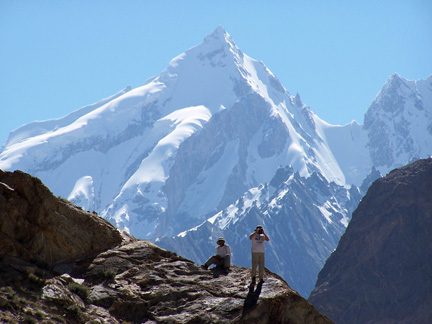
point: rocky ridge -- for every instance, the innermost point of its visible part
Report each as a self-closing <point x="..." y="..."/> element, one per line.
<point x="381" y="269"/>
<point x="39" y="227"/>
<point x="60" y="264"/>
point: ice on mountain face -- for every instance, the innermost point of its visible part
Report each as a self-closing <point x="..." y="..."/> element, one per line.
<point x="144" y="188"/>
<point x="182" y="123"/>
<point x="396" y="123"/>
<point x="397" y="129"/>
<point x="348" y="145"/>
<point x="83" y="193"/>
<point x="40" y="127"/>
<point x="424" y="93"/>
<point x="238" y="148"/>
<point x="86" y="132"/>
<point x="205" y="74"/>
<point x="211" y="160"/>
<point x="216" y="46"/>
<point x="224" y="63"/>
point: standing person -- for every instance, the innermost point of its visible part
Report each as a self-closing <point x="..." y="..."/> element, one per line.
<point x="222" y="257"/>
<point x="258" y="238"/>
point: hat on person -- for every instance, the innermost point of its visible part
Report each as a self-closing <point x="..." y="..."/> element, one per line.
<point x="259" y="226"/>
<point x="220" y="239"/>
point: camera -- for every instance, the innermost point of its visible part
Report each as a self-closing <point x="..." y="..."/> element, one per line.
<point x="260" y="231"/>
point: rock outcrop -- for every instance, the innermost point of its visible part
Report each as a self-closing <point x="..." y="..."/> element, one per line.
<point x="60" y="264"/>
<point x="39" y="227"/>
<point x="381" y="269"/>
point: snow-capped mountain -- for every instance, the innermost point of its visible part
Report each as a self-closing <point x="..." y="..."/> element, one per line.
<point x="399" y="123"/>
<point x="213" y="145"/>
<point x="397" y="130"/>
<point x="130" y="155"/>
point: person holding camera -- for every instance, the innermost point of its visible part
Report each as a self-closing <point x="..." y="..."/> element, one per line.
<point x="258" y="238"/>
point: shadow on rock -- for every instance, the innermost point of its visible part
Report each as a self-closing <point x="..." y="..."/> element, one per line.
<point x="252" y="296"/>
<point x="218" y="271"/>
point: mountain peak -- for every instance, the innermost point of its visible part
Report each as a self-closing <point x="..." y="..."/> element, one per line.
<point x="395" y="76"/>
<point x="219" y="39"/>
<point x="219" y="31"/>
<point x="218" y="48"/>
<point x="219" y="34"/>
<point x="395" y="80"/>
<point x="298" y="100"/>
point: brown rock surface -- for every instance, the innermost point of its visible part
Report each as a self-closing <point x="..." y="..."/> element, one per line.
<point x="381" y="271"/>
<point x="37" y="226"/>
<point x="114" y="278"/>
<point x="152" y="285"/>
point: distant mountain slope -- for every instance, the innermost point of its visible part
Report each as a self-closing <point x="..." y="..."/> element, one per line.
<point x="397" y="130"/>
<point x="212" y="128"/>
<point x="40" y="127"/>
<point x="381" y="269"/>
<point x="399" y="122"/>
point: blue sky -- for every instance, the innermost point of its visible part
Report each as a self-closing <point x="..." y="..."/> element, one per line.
<point x="57" y="56"/>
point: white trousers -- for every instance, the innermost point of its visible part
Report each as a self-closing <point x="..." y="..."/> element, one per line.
<point x="257" y="261"/>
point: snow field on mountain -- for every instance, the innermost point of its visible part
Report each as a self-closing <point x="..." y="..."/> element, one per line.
<point x="178" y="126"/>
<point x="203" y="196"/>
<point x="40" y="127"/>
<point x="83" y="193"/>
<point x="231" y="214"/>
<point x="348" y="145"/>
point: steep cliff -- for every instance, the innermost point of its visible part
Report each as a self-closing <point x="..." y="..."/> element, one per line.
<point x="381" y="269"/>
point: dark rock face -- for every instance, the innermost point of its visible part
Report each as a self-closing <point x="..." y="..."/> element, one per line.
<point x="381" y="270"/>
<point x="37" y="226"/>
<point x="111" y="277"/>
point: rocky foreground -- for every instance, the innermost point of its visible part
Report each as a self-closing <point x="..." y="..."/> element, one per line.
<point x="60" y="264"/>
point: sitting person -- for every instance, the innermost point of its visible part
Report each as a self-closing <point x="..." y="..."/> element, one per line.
<point x="222" y="257"/>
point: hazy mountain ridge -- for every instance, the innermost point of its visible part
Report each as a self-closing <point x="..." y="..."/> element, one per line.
<point x="213" y="127"/>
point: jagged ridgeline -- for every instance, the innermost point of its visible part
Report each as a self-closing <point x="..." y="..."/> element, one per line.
<point x="61" y="264"/>
<point x="214" y="145"/>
